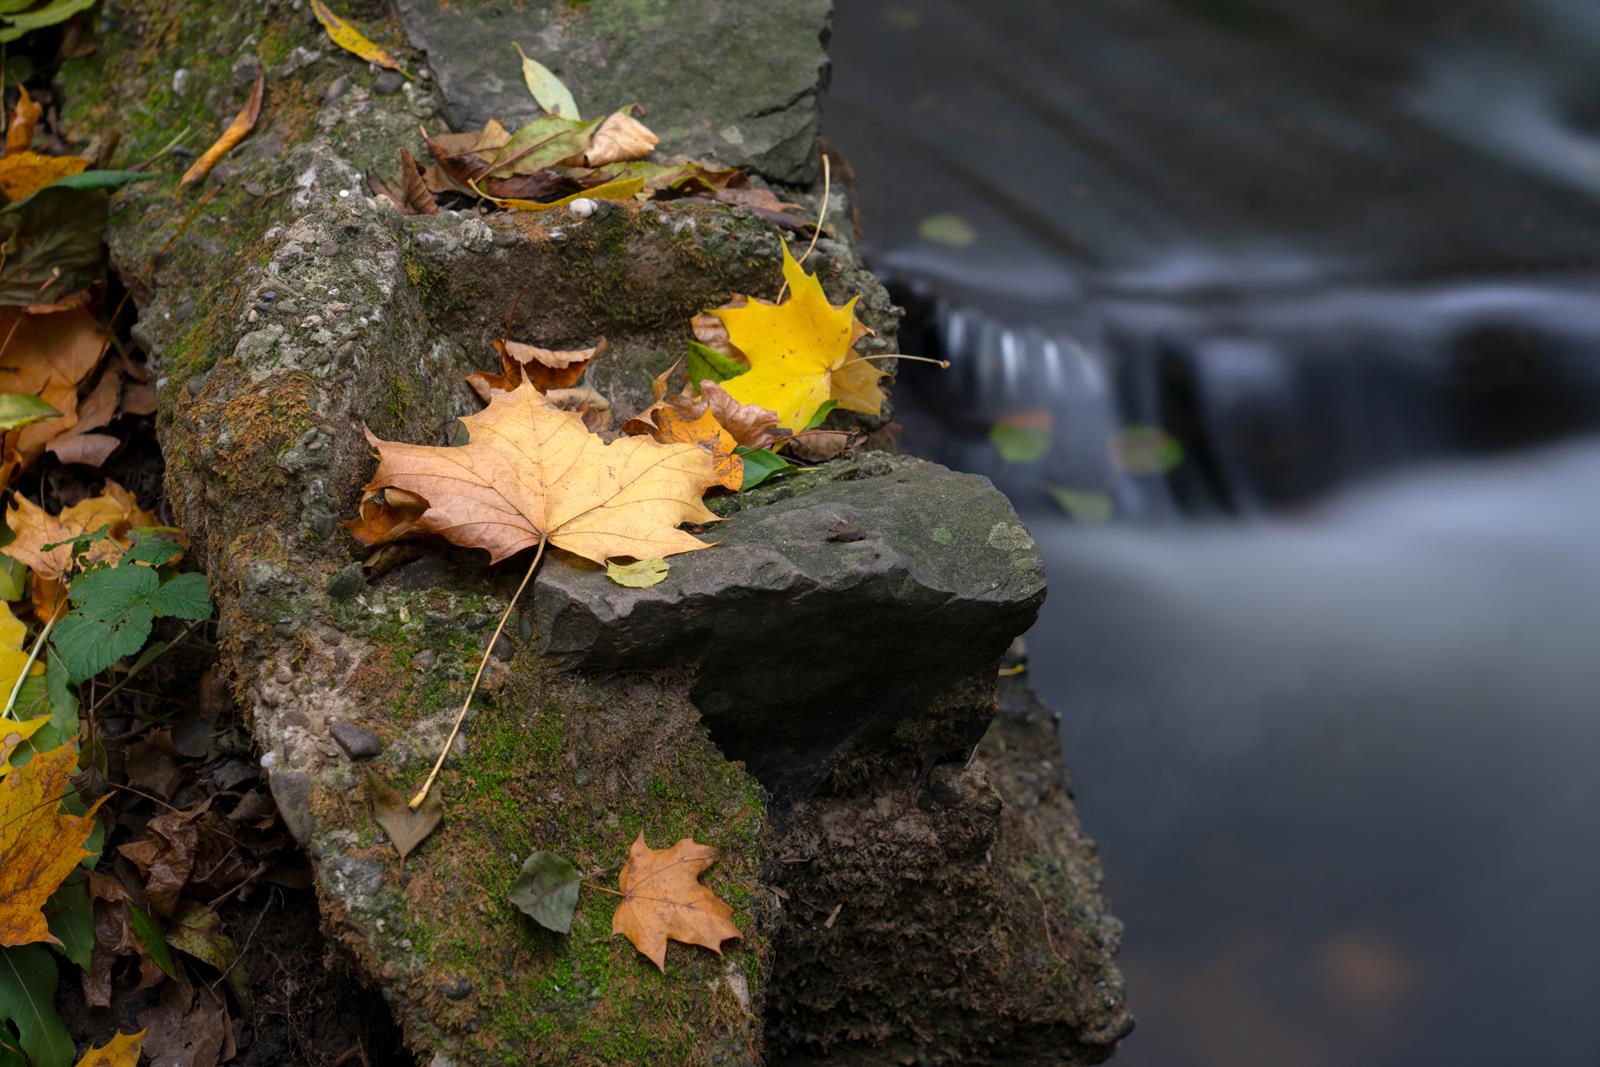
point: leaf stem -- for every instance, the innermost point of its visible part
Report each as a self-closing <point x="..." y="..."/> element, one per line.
<point x="422" y="794"/>
<point x="601" y="889"/>
<point x="822" y="215"/>
<point x="33" y="657"/>
<point x="945" y="363"/>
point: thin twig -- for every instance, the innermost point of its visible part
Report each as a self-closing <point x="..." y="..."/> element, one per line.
<point x="131" y="675"/>
<point x="822" y="215"/>
<point x="422" y="794"/>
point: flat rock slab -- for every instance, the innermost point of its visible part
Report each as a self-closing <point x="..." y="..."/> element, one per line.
<point x="734" y="80"/>
<point x="923" y="573"/>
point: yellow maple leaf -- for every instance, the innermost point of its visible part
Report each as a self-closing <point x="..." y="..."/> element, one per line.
<point x="532" y="472"/>
<point x="14" y="733"/>
<point x="801" y="353"/>
<point x="39" y="845"/>
<point x="662" y="898"/>
<point x="121" y="1051"/>
<point x="24" y="173"/>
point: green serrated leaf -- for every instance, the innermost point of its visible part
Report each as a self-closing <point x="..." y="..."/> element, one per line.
<point x="183" y="596"/>
<point x="70" y="914"/>
<point x="761" y="464"/>
<point x="152" y="939"/>
<point x="23" y="409"/>
<point x="641" y="574"/>
<point x="707" y="364"/>
<point x="27" y="1000"/>
<point x="547" y="891"/>
<point x="156" y="553"/>
<point x="89" y="643"/>
<point x="110" y="591"/>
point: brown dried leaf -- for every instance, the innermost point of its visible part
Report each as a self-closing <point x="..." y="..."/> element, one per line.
<point x="662" y="898"/>
<point x="619" y="138"/>
<point x="237" y="130"/>
<point x="751" y="426"/>
<point x="531" y="472"/>
<point x="19" y="135"/>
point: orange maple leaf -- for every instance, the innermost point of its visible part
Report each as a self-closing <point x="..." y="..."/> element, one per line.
<point x="662" y="898"/>
<point x="39" y="846"/>
<point x="533" y="473"/>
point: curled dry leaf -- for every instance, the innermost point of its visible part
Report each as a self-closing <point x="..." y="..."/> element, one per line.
<point x="544" y="368"/>
<point x="621" y="137"/>
<point x="531" y="472"/>
<point x="801" y="353"/>
<point x="819" y="446"/>
<point x="39" y="845"/>
<point x="413" y="196"/>
<point x="19" y="135"/>
<point x="662" y="898"/>
<point x="751" y="426"/>
<point x="237" y="130"/>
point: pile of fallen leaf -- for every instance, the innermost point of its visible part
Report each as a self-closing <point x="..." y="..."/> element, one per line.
<point x="542" y="467"/>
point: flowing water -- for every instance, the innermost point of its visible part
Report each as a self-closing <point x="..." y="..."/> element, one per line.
<point x="1328" y="665"/>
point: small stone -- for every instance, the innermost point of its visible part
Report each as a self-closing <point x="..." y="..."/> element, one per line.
<point x="346" y="581"/>
<point x="846" y="532"/>
<point x="504" y="648"/>
<point x="581" y="778"/>
<point x="456" y="989"/>
<point x="582" y="207"/>
<point x="180" y="81"/>
<point x="283" y="675"/>
<point x="336" y="88"/>
<point x="425" y="659"/>
<point x="358" y="742"/>
<point x="388" y="82"/>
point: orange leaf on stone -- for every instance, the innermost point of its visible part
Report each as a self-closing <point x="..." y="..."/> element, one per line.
<point x="237" y="130"/>
<point x="39" y="845"/>
<point x="547" y="369"/>
<point x="684" y="421"/>
<point x="531" y="472"/>
<point x="662" y="899"/>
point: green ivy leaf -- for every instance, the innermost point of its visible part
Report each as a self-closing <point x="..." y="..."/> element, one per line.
<point x="27" y="1001"/>
<point x="152" y="939"/>
<point x="761" y="464"/>
<point x="547" y="891"/>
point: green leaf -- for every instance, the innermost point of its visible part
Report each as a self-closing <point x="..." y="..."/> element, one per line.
<point x="707" y="364"/>
<point x="1146" y="450"/>
<point x="547" y="891"/>
<point x="822" y="414"/>
<point x="1019" y="443"/>
<point x="761" y="464"/>
<point x="100" y="179"/>
<point x="48" y="15"/>
<point x="70" y="914"/>
<point x="89" y="644"/>
<point x="27" y="1000"/>
<point x="183" y="596"/>
<point x="13" y="579"/>
<point x="1082" y="505"/>
<point x="156" y="553"/>
<point x="547" y="89"/>
<point x="151" y="939"/>
<point x="547" y="140"/>
<point x="57" y="228"/>
<point x="641" y="574"/>
<point x="197" y="931"/>
<point x="23" y="409"/>
<point x="111" y="591"/>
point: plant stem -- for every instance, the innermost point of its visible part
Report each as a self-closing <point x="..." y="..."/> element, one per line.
<point x="33" y="657"/>
<point x="822" y="215"/>
<point x="945" y="363"/>
<point x="422" y="794"/>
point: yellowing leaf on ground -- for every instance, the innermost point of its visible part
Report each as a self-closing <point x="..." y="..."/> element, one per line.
<point x="684" y="421"/>
<point x="121" y="1051"/>
<point x="24" y="173"/>
<point x="532" y="472"/>
<point x="801" y="353"/>
<point x="662" y="898"/>
<point x="640" y="574"/>
<point x="19" y="135"/>
<point x="237" y="130"/>
<point x="14" y="733"/>
<point x="115" y="510"/>
<point x="39" y="846"/>
<point x="351" y="39"/>
<point x="547" y="89"/>
<point x="13" y="656"/>
<point x="620" y="138"/>
<point x="621" y="189"/>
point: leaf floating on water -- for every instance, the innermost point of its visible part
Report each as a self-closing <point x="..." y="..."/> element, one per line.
<point x="547" y="89"/>
<point x="947" y="229"/>
<point x="1083" y="505"/>
<point x="547" y="891"/>
<point x="1023" y="436"/>
<point x="237" y="130"/>
<point x="641" y="574"/>
<point x="351" y="39"/>
<point x="662" y="898"/>
<point x="1145" y="450"/>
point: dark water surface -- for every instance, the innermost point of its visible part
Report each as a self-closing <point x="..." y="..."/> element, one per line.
<point x="1329" y="683"/>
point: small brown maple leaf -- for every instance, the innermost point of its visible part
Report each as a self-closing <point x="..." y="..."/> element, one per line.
<point x="662" y="898"/>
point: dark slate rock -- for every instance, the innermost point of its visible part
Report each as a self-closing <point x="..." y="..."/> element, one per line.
<point x="734" y="80"/>
<point x="358" y="742"/>
<point x="811" y="648"/>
